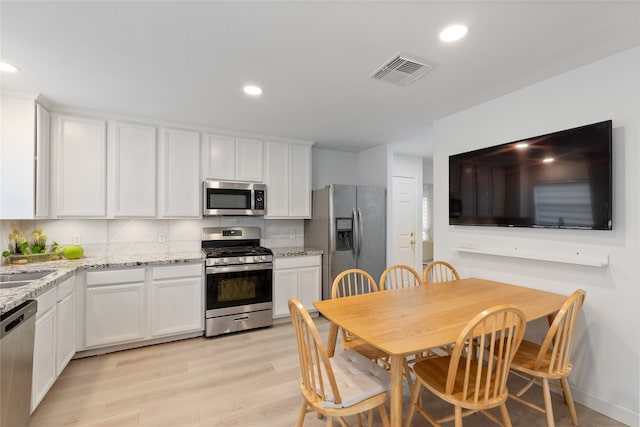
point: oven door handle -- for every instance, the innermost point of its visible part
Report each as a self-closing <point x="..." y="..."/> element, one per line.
<point x="239" y="268"/>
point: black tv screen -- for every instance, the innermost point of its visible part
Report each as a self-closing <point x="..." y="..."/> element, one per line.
<point x="559" y="180"/>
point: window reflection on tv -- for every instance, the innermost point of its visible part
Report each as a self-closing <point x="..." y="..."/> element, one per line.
<point x="559" y="180"/>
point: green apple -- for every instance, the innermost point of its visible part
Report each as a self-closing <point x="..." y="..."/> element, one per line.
<point x="72" y="252"/>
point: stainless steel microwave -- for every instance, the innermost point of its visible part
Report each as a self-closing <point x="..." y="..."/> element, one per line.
<point x="233" y="198"/>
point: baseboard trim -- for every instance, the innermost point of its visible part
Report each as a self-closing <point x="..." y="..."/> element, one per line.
<point x="611" y="410"/>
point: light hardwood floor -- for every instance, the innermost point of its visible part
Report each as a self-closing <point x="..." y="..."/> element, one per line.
<point x="246" y="379"/>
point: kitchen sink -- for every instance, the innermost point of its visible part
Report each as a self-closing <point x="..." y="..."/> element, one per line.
<point x="21" y="279"/>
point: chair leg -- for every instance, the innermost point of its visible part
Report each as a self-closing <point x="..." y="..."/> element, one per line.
<point x="370" y="423"/>
<point x="383" y="416"/>
<point x="548" y="409"/>
<point x="568" y="397"/>
<point x="457" y="415"/>
<point x="303" y="412"/>
<point x="415" y="395"/>
<point x="506" y="421"/>
<point x="329" y="421"/>
<point x="359" y="418"/>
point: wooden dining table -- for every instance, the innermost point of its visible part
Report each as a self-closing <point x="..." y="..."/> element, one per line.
<point x="406" y="321"/>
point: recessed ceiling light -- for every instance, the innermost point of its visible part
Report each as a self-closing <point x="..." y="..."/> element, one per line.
<point x="548" y="160"/>
<point x="252" y="90"/>
<point x="453" y="33"/>
<point x="522" y="145"/>
<point x="8" y="67"/>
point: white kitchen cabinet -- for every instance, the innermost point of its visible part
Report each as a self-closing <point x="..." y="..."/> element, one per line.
<point x="114" y="306"/>
<point x="233" y="159"/>
<point x="288" y="180"/>
<point x="177" y="299"/>
<point x="65" y="314"/>
<point x="24" y="137"/>
<point x="296" y="277"/>
<point x="179" y="174"/>
<point x="132" y="152"/>
<point x="44" y="348"/>
<point x="80" y="167"/>
<point x="43" y="149"/>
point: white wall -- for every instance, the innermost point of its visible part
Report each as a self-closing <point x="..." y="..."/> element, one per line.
<point x="606" y="358"/>
<point x="427" y="170"/>
<point x="373" y="165"/>
<point x="332" y="167"/>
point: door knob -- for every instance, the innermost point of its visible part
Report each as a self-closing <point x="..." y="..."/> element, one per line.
<point x="413" y="242"/>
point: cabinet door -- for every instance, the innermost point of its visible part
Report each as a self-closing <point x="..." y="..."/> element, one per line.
<point x="285" y="286"/>
<point x="309" y="286"/>
<point x="66" y="345"/>
<point x="42" y="162"/>
<point x="81" y="167"/>
<point x="249" y="159"/>
<point x="176" y="306"/>
<point x="44" y="356"/>
<point x="277" y="179"/>
<point x="220" y="154"/>
<point x="133" y="170"/>
<point x="180" y="174"/>
<point x="17" y="116"/>
<point x="115" y="314"/>
<point x="300" y="182"/>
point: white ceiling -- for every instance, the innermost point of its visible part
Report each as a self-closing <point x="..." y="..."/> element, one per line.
<point x="187" y="61"/>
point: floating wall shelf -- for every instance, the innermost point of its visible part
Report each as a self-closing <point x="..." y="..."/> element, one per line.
<point x="567" y="258"/>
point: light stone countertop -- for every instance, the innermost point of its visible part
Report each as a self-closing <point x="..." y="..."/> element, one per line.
<point x="295" y="251"/>
<point x="63" y="269"/>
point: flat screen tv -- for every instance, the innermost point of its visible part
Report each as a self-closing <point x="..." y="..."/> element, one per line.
<point x="559" y="180"/>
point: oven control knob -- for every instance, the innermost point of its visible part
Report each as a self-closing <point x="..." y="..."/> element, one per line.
<point x="257" y="258"/>
<point x="225" y="260"/>
<point x="241" y="260"/>
<point x="264" y="258"/>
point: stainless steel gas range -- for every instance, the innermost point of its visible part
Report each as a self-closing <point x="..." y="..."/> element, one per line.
<point x="239" y="294"/>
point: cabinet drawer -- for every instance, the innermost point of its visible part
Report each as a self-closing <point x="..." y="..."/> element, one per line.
<point x="65" y="288"/>
<point x="297" y="261"/>
<point x="46" y="302"/>
<point x="177" y="271"/>
<point x="111" y="277"/>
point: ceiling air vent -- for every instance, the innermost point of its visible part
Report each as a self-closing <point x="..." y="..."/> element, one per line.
<point x="402" y="70"/>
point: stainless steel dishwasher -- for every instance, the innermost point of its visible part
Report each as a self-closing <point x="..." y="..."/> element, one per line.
<point x="17" y="330"/>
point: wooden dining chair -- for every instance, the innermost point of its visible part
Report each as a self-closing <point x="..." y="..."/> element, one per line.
<point x="355" y="282"/>
<point x="473" y="382"/>
<point x="344" y="385"/>
<point x="551" y="359"/>
<point x="399" y="276"/>
<point x="439" y="271"/>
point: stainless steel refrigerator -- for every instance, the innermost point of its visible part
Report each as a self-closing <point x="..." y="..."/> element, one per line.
<point x="349" y="224"/>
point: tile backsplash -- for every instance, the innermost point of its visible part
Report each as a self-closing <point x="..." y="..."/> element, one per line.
<point x="102" y="237"/>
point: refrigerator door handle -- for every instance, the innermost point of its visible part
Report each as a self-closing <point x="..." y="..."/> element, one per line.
<point x="356" y="235"/>
<point x="360" y="231"/>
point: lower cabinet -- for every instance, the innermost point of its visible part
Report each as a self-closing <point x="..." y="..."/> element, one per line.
<point x="132" y="305"/>
<point x="298" y="277"/>
<point x="114" y="306"/>
<point x="44" y="348"/>
<point x="54" y="342"/>
<point x="177" y="299"/>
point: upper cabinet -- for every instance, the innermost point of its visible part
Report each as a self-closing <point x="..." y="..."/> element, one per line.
<point x="132" y="178"/>
<point x="80" y="167"/>
<point x="180" y="186"/>
<point x="288" y="180"/>
<point x="233" y="158"/>
<point x="24" y="159"/>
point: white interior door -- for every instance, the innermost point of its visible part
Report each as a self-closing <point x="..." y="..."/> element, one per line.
<point x="404" y="221"/>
